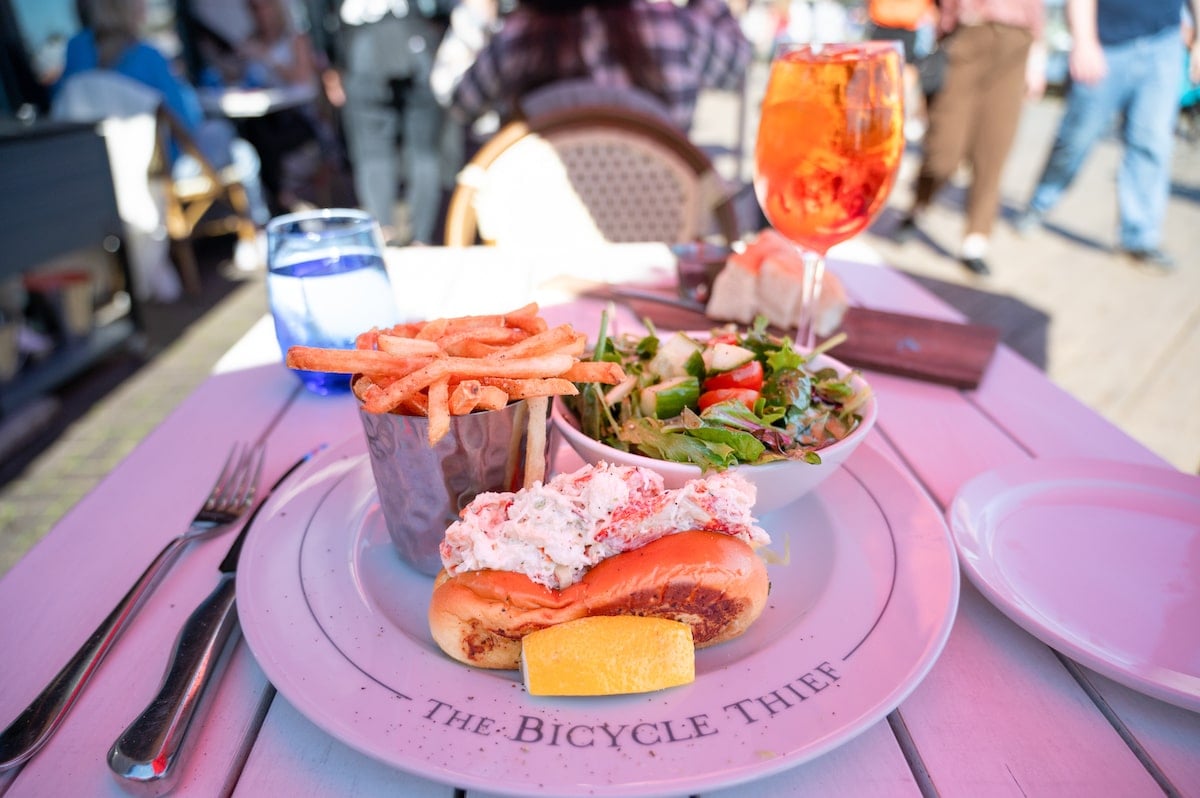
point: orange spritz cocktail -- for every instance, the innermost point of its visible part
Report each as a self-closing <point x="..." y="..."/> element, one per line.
<point x="829" y="140"/>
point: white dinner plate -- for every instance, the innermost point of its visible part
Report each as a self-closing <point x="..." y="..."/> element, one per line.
<point x="1098" y="559"/>
<point x="864" y="585"/>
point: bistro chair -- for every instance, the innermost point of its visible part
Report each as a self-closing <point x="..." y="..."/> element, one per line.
<point x="212" y="203"/>
<point x="159" y="211"/>
<point x="584" y="92"/>
<point x="589" y="174"/>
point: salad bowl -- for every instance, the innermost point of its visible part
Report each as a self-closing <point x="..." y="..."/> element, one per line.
<point x="778" y="482"/>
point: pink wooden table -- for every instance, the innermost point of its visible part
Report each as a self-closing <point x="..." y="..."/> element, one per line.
<point x="999" y="713"/>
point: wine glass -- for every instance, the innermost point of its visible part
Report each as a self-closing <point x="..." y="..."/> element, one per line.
<point x="829" y="144"/>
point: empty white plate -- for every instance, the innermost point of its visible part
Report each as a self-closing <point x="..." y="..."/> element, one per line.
<point x="1098" y="559"/>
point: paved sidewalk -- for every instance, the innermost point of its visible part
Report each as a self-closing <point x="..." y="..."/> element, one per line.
<point x="90" y="448"/>
<point x="1125" y="342"/>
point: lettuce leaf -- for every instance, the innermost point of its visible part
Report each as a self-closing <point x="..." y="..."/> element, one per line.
<point x="677" y="446"/>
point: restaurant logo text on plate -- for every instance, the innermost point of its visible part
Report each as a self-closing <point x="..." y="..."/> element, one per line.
<point x="531" y="729"/>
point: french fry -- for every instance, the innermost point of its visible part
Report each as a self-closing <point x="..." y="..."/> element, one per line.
<point x="496" y="336"/>
<point x="351" y="361"/>
<point x="454" y="366"/>
<point x="363" y="386"/>
<point x="491" y="398"/>
<point x="368" y="339"/>
<point x="408" y="347"/>
<point x="524" y="389"/>
<point x="464" y="397"/>
<point x="460" y="323"/>
<point x="525" y="311"/>
<point x="367" y="388"/>
<point x="526" y="318"/>
<point x="415" y="405"/>
<point x="388" y="399"/>
<point x="521" y="318"/>
<point x="472" y="348"/>
<point x="595" y="371"/>
<point x="556" y="339"/>
<point x="407" y="329"/>
<point x="518" y="368"/>
<point x="467" y="368"/>
<point x="433" y="330"/>
<point x="438" y="411"/>
<point x="535" y="441"/>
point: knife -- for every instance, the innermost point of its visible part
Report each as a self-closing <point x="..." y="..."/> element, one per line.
<point x="146" y="751"/>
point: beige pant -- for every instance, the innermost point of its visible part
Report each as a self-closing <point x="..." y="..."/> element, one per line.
<point x="974" y="117"/>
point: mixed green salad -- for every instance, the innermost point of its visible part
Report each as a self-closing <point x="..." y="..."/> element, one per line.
<point x="719" y="400"/>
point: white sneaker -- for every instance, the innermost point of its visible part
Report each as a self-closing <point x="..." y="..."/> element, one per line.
<point x="250" y="256"/>
<point x="914" y="131"/>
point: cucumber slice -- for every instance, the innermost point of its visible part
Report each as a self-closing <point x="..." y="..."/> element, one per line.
<point x="667" y="399"/>
<point x="672" y="357"/>
<point x="725" y="357"/>
<point x="620" y="390"/>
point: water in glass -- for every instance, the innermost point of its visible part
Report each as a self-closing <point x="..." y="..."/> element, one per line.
<point x="327" y="283"/>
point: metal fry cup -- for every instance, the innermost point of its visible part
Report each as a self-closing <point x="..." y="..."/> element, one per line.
<point x="422" y="489"/>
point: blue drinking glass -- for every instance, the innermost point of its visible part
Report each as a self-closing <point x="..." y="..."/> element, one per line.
<point x="326" y="283"/>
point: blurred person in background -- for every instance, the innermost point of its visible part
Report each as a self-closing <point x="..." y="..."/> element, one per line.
<point x="814" y="21"/>
<point x="1126" y="61"/>
<point x="1189" y="102"/>
<point x="112" y="39"/>
<point x="660" y="49"/>
<point x="995" y="61"/>
<point x="298" y="144"/>
<point x="908" y="22"/>
<point x="394" y="126"/>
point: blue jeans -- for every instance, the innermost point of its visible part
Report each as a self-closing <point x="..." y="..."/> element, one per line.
<point x="1142" y="85"/>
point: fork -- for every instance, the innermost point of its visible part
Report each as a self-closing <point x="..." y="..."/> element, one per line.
<point x="230" y="497"/>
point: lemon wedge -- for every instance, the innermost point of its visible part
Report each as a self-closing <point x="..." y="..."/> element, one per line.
<point x="608" y="655"/>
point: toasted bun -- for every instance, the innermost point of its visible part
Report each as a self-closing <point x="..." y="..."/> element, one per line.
<point x="713" y="582"/>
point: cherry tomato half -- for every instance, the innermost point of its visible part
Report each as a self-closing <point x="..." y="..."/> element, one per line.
<point x="723" y="338"/>
<point x="743" y="395"/>
<point x="748" y="375"/>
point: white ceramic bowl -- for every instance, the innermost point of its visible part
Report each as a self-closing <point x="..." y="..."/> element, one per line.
<point x="779" y="483"/>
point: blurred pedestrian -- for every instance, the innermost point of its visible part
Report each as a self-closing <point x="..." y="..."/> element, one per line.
<point x="667" y="50"/>
<point x="394" y="126"/>
<point x="1189" y="101"/>
<point x="1126" y="61"/>
<point x="298" y="144"/>
<point x="995" y="60"/>
<point x="908" y="22"/>
<point x="816" y="22"/>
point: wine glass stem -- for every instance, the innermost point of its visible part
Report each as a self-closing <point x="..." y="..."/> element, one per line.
<point x="810" y="298"/>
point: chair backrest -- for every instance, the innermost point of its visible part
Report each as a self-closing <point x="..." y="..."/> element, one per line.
<point x="99" y="94"/>
<point x="579" y="93"/>
<point x="125" y="112"/>
<point x="580" y="174"/>
<point x="139" y="131"/>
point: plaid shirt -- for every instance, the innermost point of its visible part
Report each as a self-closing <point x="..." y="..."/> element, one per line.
<point x="697" y="45"/>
